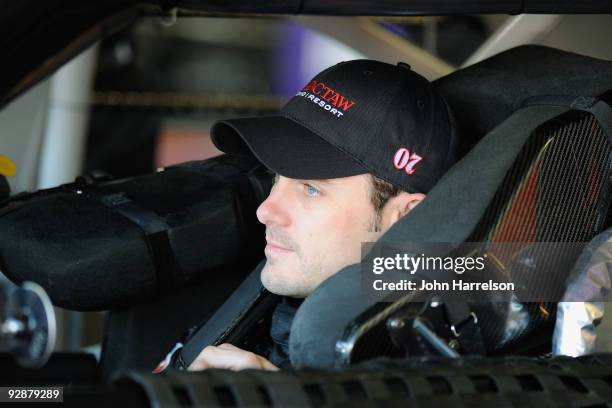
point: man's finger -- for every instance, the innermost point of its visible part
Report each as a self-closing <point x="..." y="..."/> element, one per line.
<point x="223" y="357"/>
<point x="198" y="364"/>
<point x="260" y="361"/>
<point x="266" y="364"/>
<point x="233" y="359"/>
<point x="228" y="346"/>
<point x="229" y="357"/>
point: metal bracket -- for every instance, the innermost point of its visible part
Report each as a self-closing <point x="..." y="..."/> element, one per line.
<point x="454" y="330"/>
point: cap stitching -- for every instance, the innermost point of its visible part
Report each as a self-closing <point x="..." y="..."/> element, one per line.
<point x="451" y="134"/>
<point x="432" y="119"/>
<point x="381" y="127"/>
<point x="395" y="96"/>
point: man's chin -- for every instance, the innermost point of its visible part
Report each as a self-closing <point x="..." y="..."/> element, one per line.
<point x="271" y="278"/>
<point x="277" y="281"/>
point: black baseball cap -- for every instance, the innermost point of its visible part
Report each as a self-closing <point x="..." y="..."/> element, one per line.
<point x="356" y="117"/>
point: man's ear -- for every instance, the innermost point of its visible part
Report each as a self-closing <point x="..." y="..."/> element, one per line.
<point x="402" y="204"/>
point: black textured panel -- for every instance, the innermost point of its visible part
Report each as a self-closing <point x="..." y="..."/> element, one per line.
<point x="558" y="190"/>
<point x="424" y="382"/>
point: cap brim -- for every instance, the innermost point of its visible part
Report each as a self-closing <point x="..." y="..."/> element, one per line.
<point x="285" y="146"/>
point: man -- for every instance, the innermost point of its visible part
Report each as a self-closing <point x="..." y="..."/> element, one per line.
<point x="354" y="151"/>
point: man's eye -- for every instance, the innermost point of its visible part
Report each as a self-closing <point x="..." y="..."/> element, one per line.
<point x="311" y="190"/>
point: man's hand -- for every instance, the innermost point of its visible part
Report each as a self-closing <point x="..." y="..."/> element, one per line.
<point x="229" y="357"/>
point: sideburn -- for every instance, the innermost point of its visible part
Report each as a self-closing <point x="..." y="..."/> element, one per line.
<point x="376" y="221"/>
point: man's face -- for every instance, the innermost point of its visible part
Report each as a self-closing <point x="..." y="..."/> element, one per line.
<point x="313" y="229"/>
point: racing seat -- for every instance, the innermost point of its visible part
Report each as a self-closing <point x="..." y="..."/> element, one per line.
<point x="539" y="172"/>
<point x="536" y="169"/>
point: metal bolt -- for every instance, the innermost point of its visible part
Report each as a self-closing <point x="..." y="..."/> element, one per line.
<point x="396" y="323"/>
<point x="454" y="344"/>
<point x="435" y="302"/>
<point x="11" y="327"/>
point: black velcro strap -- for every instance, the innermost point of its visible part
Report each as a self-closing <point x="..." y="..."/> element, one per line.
<point x="603" y="113"/>
<point x="148" y="221"/>
<point x="152" y="225"/>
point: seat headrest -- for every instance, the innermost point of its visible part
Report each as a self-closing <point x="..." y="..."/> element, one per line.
<point x="483" y="95"/>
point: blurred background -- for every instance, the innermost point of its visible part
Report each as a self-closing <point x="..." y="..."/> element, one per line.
<point x="146" y="97"/>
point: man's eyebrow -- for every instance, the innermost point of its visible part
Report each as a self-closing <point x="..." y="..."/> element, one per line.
<point x="323" y="181"/>
<point x="320" y="181"/>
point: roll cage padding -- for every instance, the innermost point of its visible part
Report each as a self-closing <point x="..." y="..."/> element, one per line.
<point x="484" y="94"/>
<point x="98" y="245"/>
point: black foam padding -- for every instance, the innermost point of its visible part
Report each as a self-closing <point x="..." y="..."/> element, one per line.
<point x="483" y="95"/>
<point x="113" y="244"/>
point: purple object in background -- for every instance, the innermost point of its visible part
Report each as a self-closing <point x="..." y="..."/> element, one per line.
<point x="302" y="53"/>
<point x="288" y="59"/>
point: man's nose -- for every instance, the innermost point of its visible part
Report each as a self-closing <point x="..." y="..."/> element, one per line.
<point x="273" y="210"/>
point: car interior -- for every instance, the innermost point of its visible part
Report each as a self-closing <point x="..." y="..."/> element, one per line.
<point x="176" y="255"/>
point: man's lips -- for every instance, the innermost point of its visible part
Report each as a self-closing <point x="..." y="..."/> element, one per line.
<point x="276" y="247"/>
